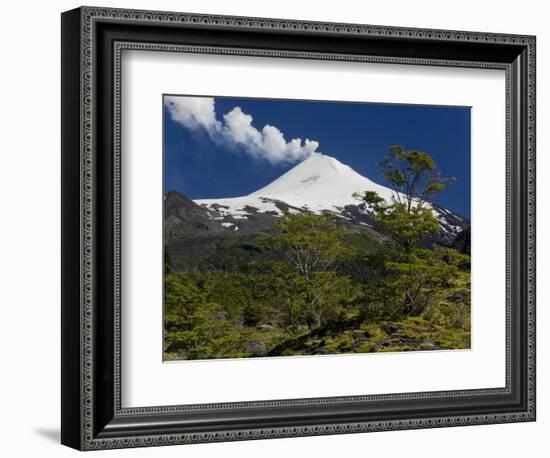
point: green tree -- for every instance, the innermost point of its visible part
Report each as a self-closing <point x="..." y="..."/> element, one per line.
<point x="327" y="293"/>
<point x="462" y="240"/>
<point x="195" y="327"/>
<point x="310" y="243"/>
<point x="206" y="334"/>
<point x="288" y="289"/>
<point x="420" y="279"/>
<point x="414" y="274"/>
<point x="407" y="228"/>
<point x="413" y="175"/>
<point x="311" y="246"/>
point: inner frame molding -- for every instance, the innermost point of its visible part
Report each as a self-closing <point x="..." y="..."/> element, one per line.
<point x="119" y="48"/>
<point x="93" y="40"/>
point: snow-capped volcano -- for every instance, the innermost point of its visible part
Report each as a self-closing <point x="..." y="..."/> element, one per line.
<point x="321" y="182"/>
<point x="318" y="184"/>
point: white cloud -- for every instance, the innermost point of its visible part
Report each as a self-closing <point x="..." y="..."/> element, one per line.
<point x="237" y="131"/>
<point x="193" y="112"/>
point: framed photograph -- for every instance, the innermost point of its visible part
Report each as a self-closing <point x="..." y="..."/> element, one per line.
<point x="276" y="228"/>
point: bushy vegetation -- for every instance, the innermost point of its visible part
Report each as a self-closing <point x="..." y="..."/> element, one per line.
<point x="316" y="285"/>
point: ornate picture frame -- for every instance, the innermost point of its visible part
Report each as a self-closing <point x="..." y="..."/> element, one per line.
<point x="93" y="416"/>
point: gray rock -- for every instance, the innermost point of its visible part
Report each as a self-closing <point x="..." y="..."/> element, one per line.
<point x="254" y="347"/>
<point x="321" y="351"/>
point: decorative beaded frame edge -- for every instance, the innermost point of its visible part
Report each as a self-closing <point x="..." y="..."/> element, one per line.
<point x="88" y="16"/>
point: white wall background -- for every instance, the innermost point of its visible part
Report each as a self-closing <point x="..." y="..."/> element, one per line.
<point x="30" y="240"/>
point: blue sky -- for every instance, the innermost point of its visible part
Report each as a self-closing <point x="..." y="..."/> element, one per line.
<point x="201" y="165"/>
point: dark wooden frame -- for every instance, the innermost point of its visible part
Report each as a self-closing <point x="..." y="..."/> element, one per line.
<point x="92" y="40"/>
